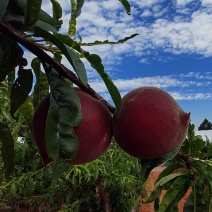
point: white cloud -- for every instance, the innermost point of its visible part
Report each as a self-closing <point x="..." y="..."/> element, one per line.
<point x="146" y="13"/>
<point x="144" y="3"/>
<point x="144" y="60"/>
<point x="206" y="2"/>
<point x="184" y="31"/>
<point x="183" y="3"/>
<point x="191" y="96"/>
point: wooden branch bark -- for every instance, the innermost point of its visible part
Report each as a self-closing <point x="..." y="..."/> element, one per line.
<point x="60" y="68"/>
<point x="103" y="196"/>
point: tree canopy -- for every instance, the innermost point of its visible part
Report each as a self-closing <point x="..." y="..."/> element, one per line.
<point x="205" y="125"/>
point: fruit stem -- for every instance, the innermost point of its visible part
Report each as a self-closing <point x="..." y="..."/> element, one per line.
<point x="61" y="69"/>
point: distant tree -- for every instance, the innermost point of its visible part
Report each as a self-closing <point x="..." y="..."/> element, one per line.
<point x="205" y="125"/>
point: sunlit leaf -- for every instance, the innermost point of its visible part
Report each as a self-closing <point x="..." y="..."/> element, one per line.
<point x="76" y="6"/>
<point x="32" y="12"/>
<point x="21" y="89"/>
<point x="77" y="11"/>
<point x="7" y="149"/>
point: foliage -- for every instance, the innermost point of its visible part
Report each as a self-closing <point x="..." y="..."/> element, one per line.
<point x="80" y="187"/>
<point x="116" y="179"/>
<point x="190" y="168"/>
<point x="34" y="29"/>
<point x="205" y="125"/>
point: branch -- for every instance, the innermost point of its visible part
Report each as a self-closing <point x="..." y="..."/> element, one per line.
<point x="104" y="196"/>
<point x="61" y="69"/>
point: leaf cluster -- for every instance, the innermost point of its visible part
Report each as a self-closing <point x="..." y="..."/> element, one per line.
<point x="190" y="171"/>
<point x="77" y="187"/>
<point x="25" y="25"/>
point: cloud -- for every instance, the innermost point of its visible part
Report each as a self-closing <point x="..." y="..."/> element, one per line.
<point x="191" y="96"/>
<point x="170" y="27"/>
<point x="181" y="86"/>
<point x="183" y="3"/>
<point x="159" y="23"/>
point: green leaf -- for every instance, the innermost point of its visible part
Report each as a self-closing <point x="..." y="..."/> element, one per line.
<point x="46" y="22"/>
<point x="177" y="190"/>
<point x="7" y="149"/>
<point x="72" y="21"/>
<point x="77" y="11"/>
<point x="210" y="205"/>
<point x="15" y="13"/>
<point x="32" y="12"/>
<point x="26" y="110"/>
<point x="45" y="26"/>
<point x="153" y="196"/>
<point x="169" y="170"/>
<point x="70" y="54"/>
<point x="3" y="8"/>
<point x="96" y="63"/>
<point x="41" y="87"/>
<point x="57" y="13"/>
<point x="17" y="21"/>
<point x="72" y="27"/>
<point x="17" y="7"/>
<point x="109" y="42"/>
<point x="126" y="5"/>
<point x="21" y="89"/>
<point x="169" y="177"/>
<point x="196" y="200"/>
<point x="161" y="184"/>
<point x="12" y="53"/>
<point x="189" y="204"/>
<point x="201" y="169"/>
<point x="64" y="114"/>
<point x="148" y="165"/>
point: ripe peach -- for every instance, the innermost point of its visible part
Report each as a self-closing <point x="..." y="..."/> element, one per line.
<point x="150" y="124"/>
<point x="94" y="133"/>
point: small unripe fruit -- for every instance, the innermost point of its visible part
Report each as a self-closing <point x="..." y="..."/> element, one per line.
<point x="150" y="124"/>
<point x="94" y="133"/>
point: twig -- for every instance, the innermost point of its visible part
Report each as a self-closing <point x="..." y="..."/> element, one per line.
<point x="104" y="196"/>
<point x="61" y="69"/>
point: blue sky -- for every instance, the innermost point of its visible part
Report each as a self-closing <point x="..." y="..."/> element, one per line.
<point x="173" y="50"/>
